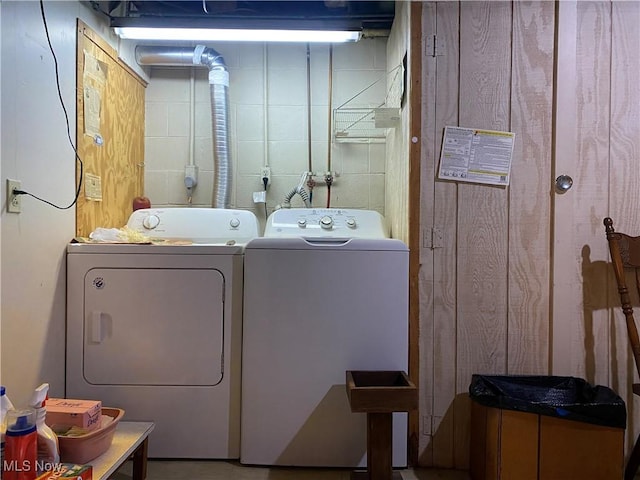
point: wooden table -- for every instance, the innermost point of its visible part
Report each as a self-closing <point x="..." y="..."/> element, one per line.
<point x="130" y="439"/>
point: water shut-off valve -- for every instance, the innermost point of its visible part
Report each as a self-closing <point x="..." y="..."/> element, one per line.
<point x="190" y="180"/>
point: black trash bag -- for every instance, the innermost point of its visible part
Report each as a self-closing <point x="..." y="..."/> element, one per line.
<point x="564" y="397"/>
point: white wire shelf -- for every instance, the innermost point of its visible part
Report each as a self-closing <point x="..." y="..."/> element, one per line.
<point x="364" y="124"/>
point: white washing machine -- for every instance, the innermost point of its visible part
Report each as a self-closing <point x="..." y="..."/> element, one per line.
<point x="156" y="329"/>
<point x="325" y="292"/>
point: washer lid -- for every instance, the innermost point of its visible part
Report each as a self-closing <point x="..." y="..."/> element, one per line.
<point x="326" y="222"/>
<point x="332" y="244"/>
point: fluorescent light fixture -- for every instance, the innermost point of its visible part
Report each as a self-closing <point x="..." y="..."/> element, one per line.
<point x="237" y="35"/>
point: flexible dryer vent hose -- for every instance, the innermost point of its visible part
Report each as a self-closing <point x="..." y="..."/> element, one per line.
<point x="169" y="56"/>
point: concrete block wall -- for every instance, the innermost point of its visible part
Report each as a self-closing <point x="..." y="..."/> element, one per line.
<point x="282" y="141"/>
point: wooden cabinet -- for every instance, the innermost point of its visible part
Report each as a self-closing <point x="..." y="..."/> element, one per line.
<point x="507" y="445"/>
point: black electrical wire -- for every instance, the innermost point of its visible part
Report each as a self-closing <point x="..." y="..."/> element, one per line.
<point x="265" y="181"/>
<point x="66" y="116"/>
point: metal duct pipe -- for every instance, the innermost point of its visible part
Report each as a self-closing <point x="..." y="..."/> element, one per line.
<point x="219" y="90"/>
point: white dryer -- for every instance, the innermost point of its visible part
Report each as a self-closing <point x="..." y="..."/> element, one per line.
<point x="156" y="329"/>
<point x="326" y="291"/>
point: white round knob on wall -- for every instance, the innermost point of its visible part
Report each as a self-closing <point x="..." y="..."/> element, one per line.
<point x="150" y="222"/>
<point x="351" y="222"/>
<point x="302" y="222"/>
<point x="234" y="222"/>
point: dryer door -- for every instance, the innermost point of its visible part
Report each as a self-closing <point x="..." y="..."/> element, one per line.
<point x="153" y="326"/>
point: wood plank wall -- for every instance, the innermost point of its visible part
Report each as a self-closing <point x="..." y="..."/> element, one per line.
<point x="624" y="182"/>
<point x="598" y="144"/>
<point x="600" y="149"/>
<point x="482" y="217"/>
<point x="438" y="271"/>
<point x="485" y="288"/>
<point x="521" y="282"/>
<point x="581" y="346"/>
<point x="119" y="160"/>
<point x="529" y="193"/>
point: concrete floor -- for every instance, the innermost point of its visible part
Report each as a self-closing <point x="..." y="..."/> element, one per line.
<point x="230" y="470"/>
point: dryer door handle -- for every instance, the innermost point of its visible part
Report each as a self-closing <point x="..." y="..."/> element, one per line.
<point x="96" y="327"/>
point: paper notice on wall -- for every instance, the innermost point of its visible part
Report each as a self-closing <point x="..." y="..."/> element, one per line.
<point x="94" y="79"/>
<point x="94" y="69"/>
<point x="92" y="187"/>
<point x="477" y="156"/>
<point x="92" y="100"/>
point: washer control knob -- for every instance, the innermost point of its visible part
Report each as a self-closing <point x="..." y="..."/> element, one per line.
<point x="234" y="222"/>
<point x="302" y="222"/>
<point x="150" y="222"/>
<point x="351" y="222"/>
<point x="326" y="222"/>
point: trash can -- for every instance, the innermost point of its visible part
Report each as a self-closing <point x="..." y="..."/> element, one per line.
<point x="545" y="428"/>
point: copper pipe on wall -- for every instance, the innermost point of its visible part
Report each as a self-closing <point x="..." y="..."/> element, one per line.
<point x="330" y="108"/>
<point x="309" y="168"/>
<point x="328" y="177"/>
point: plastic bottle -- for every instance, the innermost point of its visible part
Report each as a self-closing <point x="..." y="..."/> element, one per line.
<point x="5" y="406"/>
<point x="48" y="449"/>
<point x="21" y="445"/>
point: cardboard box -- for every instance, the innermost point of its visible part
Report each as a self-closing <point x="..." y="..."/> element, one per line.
<point x="67" y="412"/>
<point x="68" y="470"/>
<point x="507" y="444"/>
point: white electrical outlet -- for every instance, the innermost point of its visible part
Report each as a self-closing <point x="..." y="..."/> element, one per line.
<point x="265" y="173"/>
<point x="14" y="203"/>
<point x="260" y="197"/>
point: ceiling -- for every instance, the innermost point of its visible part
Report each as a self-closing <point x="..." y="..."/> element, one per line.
<point x="374" y="15"/>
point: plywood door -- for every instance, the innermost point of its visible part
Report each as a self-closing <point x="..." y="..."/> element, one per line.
<point x="110" y="134"/>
